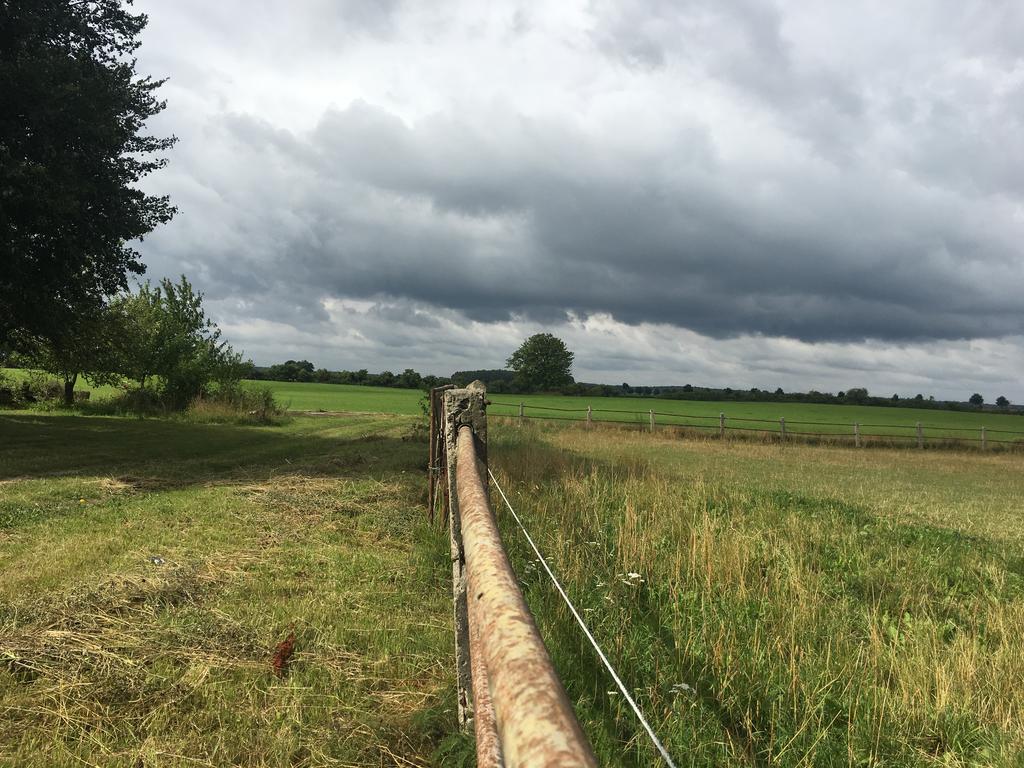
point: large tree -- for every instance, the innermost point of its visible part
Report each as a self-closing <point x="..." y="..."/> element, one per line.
<point x="72" y="112"/>
<point x="542" y="362"/>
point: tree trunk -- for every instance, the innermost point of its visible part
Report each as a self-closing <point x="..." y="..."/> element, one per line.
<point x="69" y="390"/>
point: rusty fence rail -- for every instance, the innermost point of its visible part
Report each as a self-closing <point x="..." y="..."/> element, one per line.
<point x="509" y="692"/>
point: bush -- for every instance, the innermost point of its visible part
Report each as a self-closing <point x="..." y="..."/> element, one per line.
<point x="234" y="405"/>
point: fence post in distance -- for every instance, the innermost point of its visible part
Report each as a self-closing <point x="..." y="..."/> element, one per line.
<point x="782" y="427"/>
<point x="984" y="440"/>
<point x="856" y="434"/>
<point x="721" y="426"/>
<point x="521" y="416"/>
<point x="590" y="416"/>
<point x="652" y="421"/>
<point x="920" y="436"/>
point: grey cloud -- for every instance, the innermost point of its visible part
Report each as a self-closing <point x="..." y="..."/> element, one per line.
<point x="546" y="225"/>
<point x="708" y="166"/>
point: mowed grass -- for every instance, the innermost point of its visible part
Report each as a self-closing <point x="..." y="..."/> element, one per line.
<point x="149" y="568"/>
<point x="310" y="396"/>
<point x="778" y="605"/>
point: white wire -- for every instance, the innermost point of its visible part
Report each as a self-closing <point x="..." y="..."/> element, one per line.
<point x="586" y="631"/>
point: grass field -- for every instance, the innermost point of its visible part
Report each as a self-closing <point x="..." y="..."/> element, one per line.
<point x="300" y="396"/>
<point x="109" y="657"/>
<point x="801" y="418"/>
<point x="770" y="605"/>
<point x="874" y="419"/>
<point x="779" y="605"/>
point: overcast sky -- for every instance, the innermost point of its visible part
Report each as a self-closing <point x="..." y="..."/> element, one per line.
<point x="807" y="195"/>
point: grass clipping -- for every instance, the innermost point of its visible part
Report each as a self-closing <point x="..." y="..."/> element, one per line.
<point x="112" y="652"/>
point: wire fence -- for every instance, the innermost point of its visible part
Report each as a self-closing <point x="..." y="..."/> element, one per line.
<point x="859" y="434"/>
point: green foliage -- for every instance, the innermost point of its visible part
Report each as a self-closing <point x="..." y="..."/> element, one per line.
<point x="856" y="395"/>
<point x="976" y="400"/>
<point x="542" y="362"/>
<point x="1002" y="402"/>
<point x="71" y="155"/>
<point x="166" y="335"/>
<point x="88" y="349"/>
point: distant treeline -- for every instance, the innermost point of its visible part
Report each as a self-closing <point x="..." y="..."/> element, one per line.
<point x="305" y="371"/>
<point x="502" y="382"/>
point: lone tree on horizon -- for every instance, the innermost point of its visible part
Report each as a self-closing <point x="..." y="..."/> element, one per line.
<point x="542" y="362"/>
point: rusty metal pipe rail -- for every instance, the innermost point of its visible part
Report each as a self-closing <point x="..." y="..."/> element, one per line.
<point x="523" y="717"/>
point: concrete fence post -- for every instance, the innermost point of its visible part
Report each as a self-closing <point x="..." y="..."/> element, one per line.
<point x="856" y="434"/>
<point x="721" y="426"/>
<point x="462" y="407"/>
<point x="590" y="416"/>
<point x="984" y="439"/>
<point x="782" y="428"/>
<point x="522" y="416"/>
<point x="652" y="421"/>
<point x="920" y="435"/>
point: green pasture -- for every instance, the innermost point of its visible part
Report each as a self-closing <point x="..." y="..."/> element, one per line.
<point x="298" y="396"/>
<point x="801" y="418"/>
<point x="828" y="419"/>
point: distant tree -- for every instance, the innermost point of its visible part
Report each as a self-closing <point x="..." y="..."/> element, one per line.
<point x="625" y="387"/>
<point x="857" y="394"/>
<point x="542" y="362"/>
<point x="409" y="379"/>
<point x="71" y="156"/>
<point x="841" y="395"/>
<point x="976" y="399"/>
<point x="778" y="391"/>
<point x="687" y="388"/>
<point x="1002" y="402"/>
<point x="895" y="397"/>
<point x="919" y="397"/>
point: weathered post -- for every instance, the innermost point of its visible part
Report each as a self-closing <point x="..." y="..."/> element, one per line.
<point x="984" y="440"/>
<point x="432" y="457"/>
<point x="462" y="407"/>
<point x="920" y="436"/>
<point x="590" y="416"/>
<point x="434" y="487"/>
<point x="652" y="421"/>
<point x="856" y="434"/>
<point x="721" y="426"/>
<point x="782" y="427"/>
<point x="522" y="417"/>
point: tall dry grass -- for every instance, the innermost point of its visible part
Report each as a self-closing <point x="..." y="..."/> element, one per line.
<point x="767" y="626"/>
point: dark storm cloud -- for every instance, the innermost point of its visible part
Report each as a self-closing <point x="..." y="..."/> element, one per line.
<point x="813" y="191"/>
<point x="538" y="221"/>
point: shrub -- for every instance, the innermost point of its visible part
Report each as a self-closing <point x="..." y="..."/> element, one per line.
<point x="235" y="405"/>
